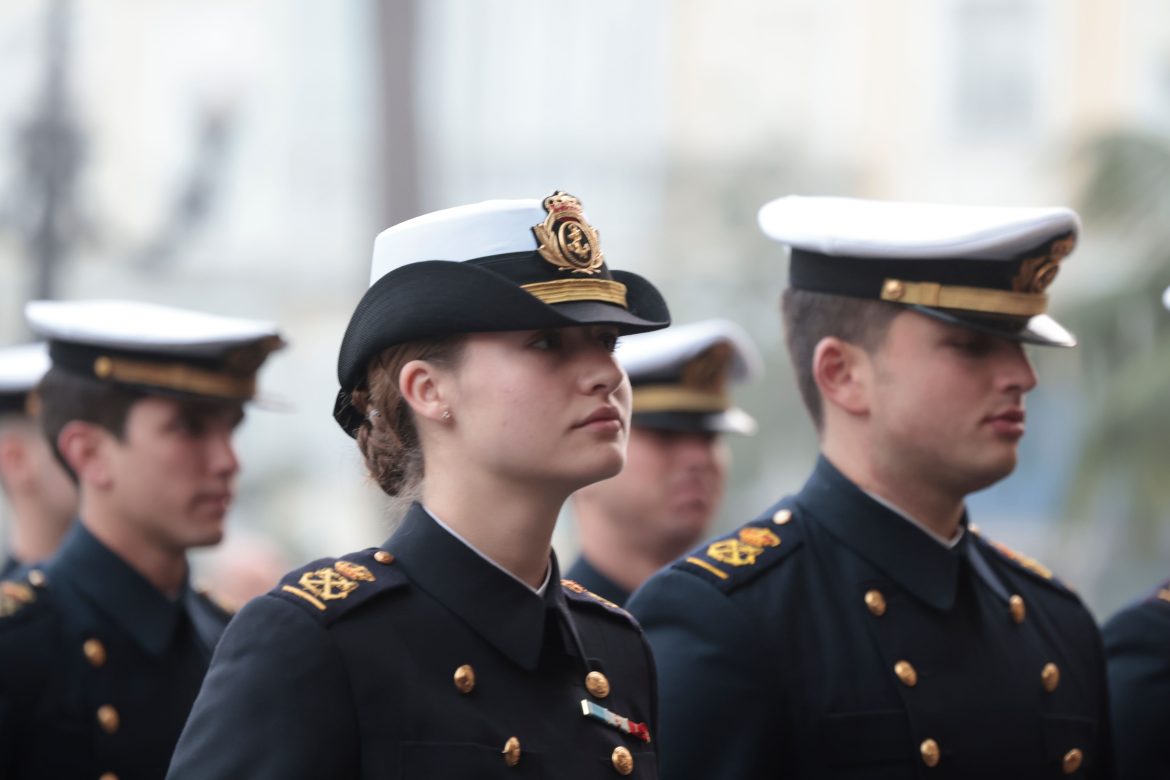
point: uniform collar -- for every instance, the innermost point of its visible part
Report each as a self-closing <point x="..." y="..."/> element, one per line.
<point x="497" y="606"/>
<point x="901" y="550"/>
<point x="120" y="592"/>
<point x="585" y="573"/>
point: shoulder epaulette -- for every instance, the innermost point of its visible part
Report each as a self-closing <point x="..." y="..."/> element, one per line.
<point x="578" y="592"/>
<point x="331" y="587"/>
<point x="19" y="593"/>
<point x="1030" y="565"/>
<point x="741" y="556"/>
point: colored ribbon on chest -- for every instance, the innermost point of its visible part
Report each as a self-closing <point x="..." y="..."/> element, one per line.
<point x="620" y="722"/>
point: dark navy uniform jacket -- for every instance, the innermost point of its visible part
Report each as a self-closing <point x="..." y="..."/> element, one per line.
<point x="422" y="660"/>
<point x="831" y="638"/>
<point x="586" y="574"/>
<point x="98" y="669"/>
<point x="1137" y="642"/>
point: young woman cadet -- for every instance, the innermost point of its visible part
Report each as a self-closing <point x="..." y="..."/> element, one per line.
<point x="477" y="376"/>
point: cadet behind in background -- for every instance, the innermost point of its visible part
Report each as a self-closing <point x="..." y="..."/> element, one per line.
<point x="862" y="628"/>
<point x="103" y="648"/>
<point x="665" y="498"/>
<point x="42" y="500"/>
<point x="1137" y="641"/>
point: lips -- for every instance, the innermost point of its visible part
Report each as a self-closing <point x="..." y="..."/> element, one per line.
<point x="1009" y="423"/>
<point x="603" y="415"/>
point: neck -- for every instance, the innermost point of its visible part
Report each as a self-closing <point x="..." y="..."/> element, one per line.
<point x="930" y="503"/>
<point x="163" y="567"/>
<point x="34" y="535"/>
<point x="512" y="524"/>
<point x="606" y="548"/>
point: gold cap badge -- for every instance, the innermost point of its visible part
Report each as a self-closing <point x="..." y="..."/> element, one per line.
<point x="1037" y="273"/>
<point x="565" y="239"/>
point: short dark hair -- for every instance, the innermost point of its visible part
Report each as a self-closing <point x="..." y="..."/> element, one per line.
<point x="65" y="397"/>
<point x="811" y="316"/>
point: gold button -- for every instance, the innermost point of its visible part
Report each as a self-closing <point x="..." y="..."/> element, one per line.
<point x="782" y="516"/>
<point x="512" y="751"/>
<point x="906" y="673"/>
<point x="1050" y="677"/>
<point x="36" y="578"/>
<point x="1072" y="761"/>
<point x="929" y="751"/>
<point x="623" y="760"/>
<point x="108" y="776"/>
<point x="465" y="679"/>
<point x="103" y="367"/>
<point x="596" y="684"/>
<point x="876" y="602"/>
<point x="108" y="718"/>
<point x="1016" y="605"/>
<point x="893" y="290"/>
<point x="383" y="557"/>
<point x="95" y="651"/>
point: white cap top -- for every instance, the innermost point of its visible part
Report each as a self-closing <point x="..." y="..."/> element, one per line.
<point x="661" y="351"/>
<point x="22" y="367"/>
<point x="148" y="327"/>
<point x="493" y="227"/>
<point x="1166" y="298"/>
<point x="864" y="228"/>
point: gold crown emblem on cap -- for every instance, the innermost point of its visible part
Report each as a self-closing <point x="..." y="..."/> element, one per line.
<point x="708" y="371"/>
<point x="1036" y="273"/>
<point x="565" y="239"/>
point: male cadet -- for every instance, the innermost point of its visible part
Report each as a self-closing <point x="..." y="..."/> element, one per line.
<point x="861" y="628"/>
<point x="104" y="647"/>
<point x="665" y="497"/>
<point x="42" y="500"/>
<point x="1137" y="643"/>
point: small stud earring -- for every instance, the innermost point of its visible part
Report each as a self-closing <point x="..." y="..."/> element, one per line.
<point x="446" y="415"/>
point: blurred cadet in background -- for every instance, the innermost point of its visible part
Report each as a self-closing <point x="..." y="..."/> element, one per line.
<point x="1137" y="641"/>
<point x="666" y="496"/>
<point x="103" y="647"/>
<point x="477" y="376"/>
<point x="246" y="565"/>
<point x="862" y="628"/>
<point x="42" y="500"/>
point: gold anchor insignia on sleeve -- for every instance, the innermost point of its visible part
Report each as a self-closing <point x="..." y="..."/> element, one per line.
<point x="330" y="584"/>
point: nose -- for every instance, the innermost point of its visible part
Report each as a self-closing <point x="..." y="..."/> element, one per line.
<point x="222" y="455"/>
<point x="1018" y="373"/>
<point x="602" y="374"/>
<point x="696" y="450"/>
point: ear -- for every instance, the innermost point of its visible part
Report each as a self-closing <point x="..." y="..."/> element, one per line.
<point x="13" y="458"/>
<point x="83" y="446"/>
<point x="843" y="373"/>
<point x="422" y="387"/>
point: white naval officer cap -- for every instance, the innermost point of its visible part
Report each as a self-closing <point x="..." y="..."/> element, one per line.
<point x="982" y="267"/>
<point x="156" y="349"/>
<point x="21" y="368"/>
<point x="681" y="376"/>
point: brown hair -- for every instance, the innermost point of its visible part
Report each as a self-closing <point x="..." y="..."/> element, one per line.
<point x="387" y="436"/>
<point x="65" y="397"/>
<point x="811" y="316"/>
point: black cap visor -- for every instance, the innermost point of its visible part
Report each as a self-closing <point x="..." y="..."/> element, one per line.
<point x="1041" y="329"/>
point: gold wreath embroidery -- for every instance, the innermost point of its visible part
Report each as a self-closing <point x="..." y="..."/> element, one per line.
<point x="354" y="571"/>
<point x="565" y="239"/>
<point x="759" y="537"/>
<point x="733" y="552"/>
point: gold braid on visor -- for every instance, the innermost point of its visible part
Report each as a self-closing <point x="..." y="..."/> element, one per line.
<point x="175" y="376"/>
<point x="565" y="290"/>
<point x="672" y="398"/>
<point x="980" y="299"/>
